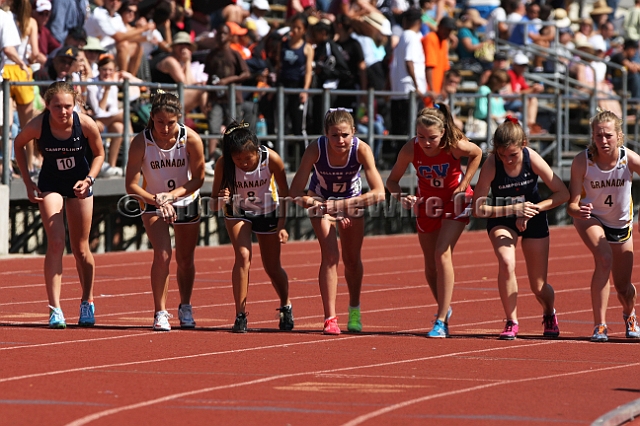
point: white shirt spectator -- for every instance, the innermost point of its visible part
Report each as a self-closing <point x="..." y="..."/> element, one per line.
<point x="9" y="36"/>
<point x="95" y="93"/>
<point x="512" y="20"/>
<point x="262" y="26"/>
<point x="409" y="48"/>
<point x="104" y="26"/>
<point x="491" y="29"/>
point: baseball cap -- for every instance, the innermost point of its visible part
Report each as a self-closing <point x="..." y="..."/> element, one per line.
<point x="261" y="4"/>
<point x="500" y="56"/>
<point x="521" y="59"/>
<point x="42" y="5"/>
<point x="67" y="52"/>
<point x="235" y="29"/>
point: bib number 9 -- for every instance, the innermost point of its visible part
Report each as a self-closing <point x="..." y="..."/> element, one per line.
<point x="67" y="163"/>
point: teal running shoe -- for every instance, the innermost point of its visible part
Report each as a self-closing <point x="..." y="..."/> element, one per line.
<point x="56" y="318"/>
<point x="440" y="329"/>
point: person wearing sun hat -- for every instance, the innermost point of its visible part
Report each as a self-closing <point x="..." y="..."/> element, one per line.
<point x="92" y="51"/>
<point x="175" y="67"/>
<point x="601" y="12"/>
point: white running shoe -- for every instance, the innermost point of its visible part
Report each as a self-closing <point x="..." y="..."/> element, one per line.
<point x="209" y="168"/>
<point x="161" y="321"/>
<point x="185" y="314"/>
<point x="108" y="171"/>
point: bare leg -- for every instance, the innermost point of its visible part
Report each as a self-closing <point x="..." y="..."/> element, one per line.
<point x="53" y="223"/>
<point x="186" y="236"/>
<point x="270" y="253"/>
<point x="79" y="216"/>
<point x="158" y="233"/>
<point x="328" y="274"/>
<point x="504" y="242"/>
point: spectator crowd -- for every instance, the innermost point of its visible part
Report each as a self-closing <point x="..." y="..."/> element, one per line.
<point x="399" y="45"/>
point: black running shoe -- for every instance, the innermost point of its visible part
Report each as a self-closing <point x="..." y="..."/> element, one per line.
<point x="240" y="326"/>
<point x="286" y="318"/>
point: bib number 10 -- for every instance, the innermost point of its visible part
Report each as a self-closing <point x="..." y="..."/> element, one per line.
<point x="67" y="163"/>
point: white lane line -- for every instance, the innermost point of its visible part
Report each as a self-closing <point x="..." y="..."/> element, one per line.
<point x="365" y="417"/>
<point x="92" y="417"/>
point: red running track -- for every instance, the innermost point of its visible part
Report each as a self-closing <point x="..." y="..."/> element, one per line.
<point x="121" y="372"/>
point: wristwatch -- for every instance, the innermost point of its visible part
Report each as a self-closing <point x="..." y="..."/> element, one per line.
<point x="91" y="179"/>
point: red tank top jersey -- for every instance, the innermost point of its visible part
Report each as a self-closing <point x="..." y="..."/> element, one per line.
<point x="438" y="176"/>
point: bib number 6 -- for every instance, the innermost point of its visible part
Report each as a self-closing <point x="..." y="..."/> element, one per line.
<point x="437" y="183"/>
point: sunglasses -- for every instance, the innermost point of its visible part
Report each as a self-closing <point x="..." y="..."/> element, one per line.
<point x="44" y="13"/>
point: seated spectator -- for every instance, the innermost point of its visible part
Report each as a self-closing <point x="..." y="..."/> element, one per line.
<point x="593" y="76"/>
<point x="41" y="13"/>
<point x="223" y="66"/>
<point x="526" y="32"/>
<point x="236" y="33"/>
<point x="500" y="62"/>
<point x="469" y="42"/>
<point x="175" y="67"/>
<point x="129" y="13"/>
<point x="626" y="59"/>
<point x="450" y="84"/>
<point x="76" y="36"/>
<point x="259" y="8"/>
<point x="92" y="51"/>
<point x="107" y="25"/>
<point x="631" y="23"/>
<point x="498" y="80"/>
<point x="61" y="67"/>
<point x="103" y="101"/>
<point x="600" y="13"/>
<point x="585" y="31"/>
<point x="520" y="86"/>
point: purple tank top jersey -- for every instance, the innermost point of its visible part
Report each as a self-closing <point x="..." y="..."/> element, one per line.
<point x="336" y="182"/>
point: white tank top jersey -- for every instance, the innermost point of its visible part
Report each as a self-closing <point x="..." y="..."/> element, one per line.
<point x="609" y="191"/>
<point x="166" y="169"/>
<point x="256" y="191"/>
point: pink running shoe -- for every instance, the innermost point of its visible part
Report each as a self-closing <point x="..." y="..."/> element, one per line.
<point x="331" y="326"/>
<point x="550" y="325"/>
<point x="510" y="331"/>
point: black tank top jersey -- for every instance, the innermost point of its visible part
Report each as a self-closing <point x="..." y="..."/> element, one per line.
<point x="63" y="162"/>
<point x="293" y="63"/>
<point x="506" y="188"/>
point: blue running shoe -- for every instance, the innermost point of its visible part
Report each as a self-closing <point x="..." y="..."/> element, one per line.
<point x="600" y="333"/>
<point x="87" y="311"/>
<point x="440" y="329"/>
<point x="631" y="325"/>
<point x="56" y="318"/>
